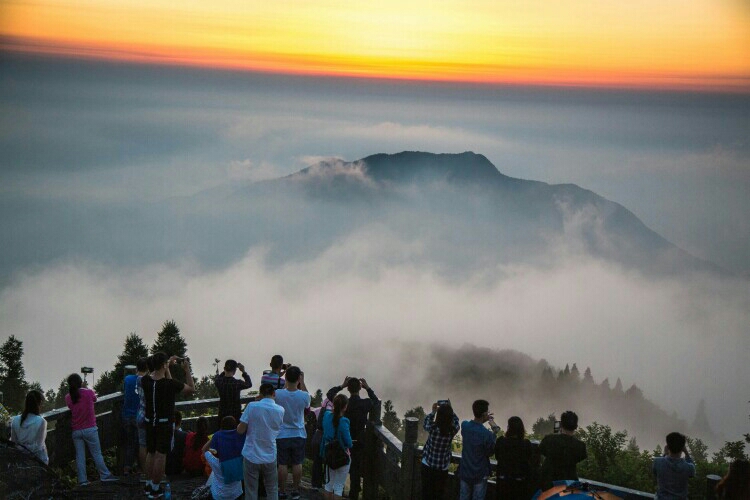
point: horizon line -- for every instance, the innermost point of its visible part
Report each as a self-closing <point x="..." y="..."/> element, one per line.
<point x="676" y="84"/>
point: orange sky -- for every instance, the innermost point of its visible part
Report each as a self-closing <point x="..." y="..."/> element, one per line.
<point x="684" y="44"/>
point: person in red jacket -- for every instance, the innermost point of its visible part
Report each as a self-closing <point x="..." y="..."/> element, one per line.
<point x="192" y="461"/>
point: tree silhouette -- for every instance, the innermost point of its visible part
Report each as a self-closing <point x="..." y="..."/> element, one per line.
<point x="170" y="342"/>
<point x="390" y="418"/>
<point x="12" y="375"/>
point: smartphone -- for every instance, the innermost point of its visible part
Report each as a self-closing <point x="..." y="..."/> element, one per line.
<point x="556" y="428"/>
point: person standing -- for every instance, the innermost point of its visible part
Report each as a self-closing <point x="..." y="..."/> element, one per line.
<point x="261" y="423"/>
<point x="562" y="452"/>
<point x="441" y="425"/>
<point x="514" y="456"/>
<point x="357" y="411"/>
<point x="336" y="427"/>
<point x="275" y="374"/>
<point x="291" y="440"/>
<point x="128" y="415"/>
<point x="478" y="445"/>
<point x="159" y="392"/>
<point x="29" y="429"/>
<point x="229" y="389"/>
<point x="81" y="401"/>
<point x="672" y="471"/>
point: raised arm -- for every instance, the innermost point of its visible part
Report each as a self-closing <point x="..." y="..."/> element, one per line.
<point x="336" y="389"/>
<point x="189" y="386"/>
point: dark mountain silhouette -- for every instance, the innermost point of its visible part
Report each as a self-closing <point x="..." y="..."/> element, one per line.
<point x="527" y="212"/>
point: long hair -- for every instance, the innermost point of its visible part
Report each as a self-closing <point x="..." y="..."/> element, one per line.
<point x="74" y="384"/>
<point x="339" y="405"/>
<point x="444" y="419"/>
<point x="515" y="428"/>
<point x="736" y="484"/>
<point x="33" y="404"/>
<point x="201" y="433"/>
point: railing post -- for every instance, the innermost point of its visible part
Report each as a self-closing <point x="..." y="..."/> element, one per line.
<point x="711" y="481"/>
<point x="63" y="441"/>
<point x="117" y="433"/>
<point x="371" y="460"/>
<point x="409" y="470"/>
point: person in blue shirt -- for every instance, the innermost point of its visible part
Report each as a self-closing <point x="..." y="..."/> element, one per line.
<point x="672" y="471"/>
<point x="337" y="427"/>
<point x="478" y="446"/>
<point x="130" y="403"/>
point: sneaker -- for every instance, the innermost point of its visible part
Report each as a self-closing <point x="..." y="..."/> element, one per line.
<point x="295" y="495"/>
<point x="109" y="479"/>
<point x="86" y="483"/>
<point x="159" y="493"/>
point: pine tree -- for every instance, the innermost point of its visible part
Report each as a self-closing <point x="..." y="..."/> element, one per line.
<point x="61" y="392"/>
<point x="618" y="386"/>
<point x="12" y="375"/>
<point x="134" y="349"/>
<point x="390" y="418"/>
<point x="170" y="342"/>
<point x="574" y="373"/>
<point x="587" y="377"/>
<point x="107" y="383"/>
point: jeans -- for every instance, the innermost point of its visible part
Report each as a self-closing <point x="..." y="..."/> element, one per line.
<point x="89" y="438"/>
<point x="434" y="482"/>
<point x="473" y="491"/>
<point x="252" y="474"/>
<point x="131" y="440"/>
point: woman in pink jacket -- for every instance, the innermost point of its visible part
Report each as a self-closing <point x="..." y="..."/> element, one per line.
<point x="81" y="401"/>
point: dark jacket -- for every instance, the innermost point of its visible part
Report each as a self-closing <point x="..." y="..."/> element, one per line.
<point x="561" y="454"/>
<point x="357" y="411"/>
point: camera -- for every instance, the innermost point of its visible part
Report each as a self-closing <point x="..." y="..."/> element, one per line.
<point x="556" y="428"/>
<point x="286" y="366"/>
<point x="87" y="369"/>
<point x="441" y="402"/>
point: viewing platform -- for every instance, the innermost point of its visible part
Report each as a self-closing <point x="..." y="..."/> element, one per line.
<point x="391" y="468"/>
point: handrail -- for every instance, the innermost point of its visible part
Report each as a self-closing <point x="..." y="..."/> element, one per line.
<point x="401" y="477"/>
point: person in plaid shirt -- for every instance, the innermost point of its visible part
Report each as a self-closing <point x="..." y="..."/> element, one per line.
<point x="229" y="389"/>
<point x="441" y="425"/>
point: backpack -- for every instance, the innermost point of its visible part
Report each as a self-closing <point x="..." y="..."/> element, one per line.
<point x="335" y="453"/>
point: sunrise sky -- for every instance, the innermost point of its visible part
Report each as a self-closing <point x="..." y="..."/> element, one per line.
<point x="680" y="44"/>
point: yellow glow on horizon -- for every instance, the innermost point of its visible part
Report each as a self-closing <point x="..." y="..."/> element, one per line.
<point x="670" y="43"/>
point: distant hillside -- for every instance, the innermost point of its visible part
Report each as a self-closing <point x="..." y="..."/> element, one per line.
<point x="516" y="384"/>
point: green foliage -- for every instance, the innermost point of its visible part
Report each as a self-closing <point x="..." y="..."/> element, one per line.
<point x="390" y="418"/>
<point x="604" y="447"/>
<point x="12" y="375"/>
<point x="731" y="451"/>
<point x="107" y="383"/>
<point x="205" y="388"/>
<point x="543" y="426"/>
<point x="170" y="342"/>
<point x="133" y="350"/>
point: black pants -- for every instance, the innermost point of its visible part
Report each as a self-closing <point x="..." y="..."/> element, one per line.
<point x="355" y="471"/>
<point x="434" y="482"/>
<point x="317" y="465"/>
<point x="512" y="489"/>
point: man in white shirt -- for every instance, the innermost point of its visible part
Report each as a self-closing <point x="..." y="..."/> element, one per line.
<point x="291" y="441"/>
<point x="261" y="422"/>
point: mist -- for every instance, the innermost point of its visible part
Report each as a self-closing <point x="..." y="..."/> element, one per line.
<point x="342" y="313"/>
<point x="131" y="195"/>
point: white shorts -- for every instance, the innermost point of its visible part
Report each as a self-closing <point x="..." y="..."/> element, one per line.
<point x="337" y="479"/>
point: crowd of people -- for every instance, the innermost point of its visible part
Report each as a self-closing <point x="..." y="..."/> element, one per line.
<point x="257" y="447"/>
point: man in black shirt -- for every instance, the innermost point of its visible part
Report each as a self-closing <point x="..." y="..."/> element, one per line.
<point x="562" y="452"/>
<point x="159" y="392"/>
<point x="357" y="411"/>
<point x="229" y="389"/>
